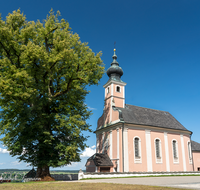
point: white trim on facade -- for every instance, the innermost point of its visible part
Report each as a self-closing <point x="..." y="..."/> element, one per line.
<point x="183" y="153"/>
<point x="116" y="82"/>
<point x="112" y="89"/>
<point x="124" y="96"/>
<point x="111" y="144"/>
<point x="167" y="152"/>
<point x="103" y="138"/>
<point x="137" y="159"/>
<point x="97" y="143"/>
<point x="175" y="160"/>
<point x="113" y="122"/>
<point x="189" y="152"/>
<point x="118" y="162"/>
<point x="158" y="160"/>
<point x="126" y="163"/>
<point x="148" y="149"/>
<point x="111" y="100"/>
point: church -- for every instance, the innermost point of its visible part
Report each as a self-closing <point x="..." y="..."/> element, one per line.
<point x="136" y="139"/>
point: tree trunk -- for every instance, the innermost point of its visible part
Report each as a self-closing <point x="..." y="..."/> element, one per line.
<point x="44" y="174"/>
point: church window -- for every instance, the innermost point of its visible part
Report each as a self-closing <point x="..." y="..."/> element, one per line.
<point x="118" y="89"/>
<point x="108" y="90"/>
<point x="174" y="149"/>
<point x="137" y="150"/>
<point x="136" y="147"/>
<point x="157" y="148"/>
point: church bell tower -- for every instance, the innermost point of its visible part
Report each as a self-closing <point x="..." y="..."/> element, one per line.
<point x="114" y="91"/>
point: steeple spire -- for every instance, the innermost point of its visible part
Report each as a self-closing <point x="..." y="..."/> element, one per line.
<point x="114" y="59"/>
<point x="115" y="72"/>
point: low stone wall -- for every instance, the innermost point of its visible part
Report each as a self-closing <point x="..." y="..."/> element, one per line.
<point x="86" y="175"/>
<point x="31" y="179"/>
<point x="65" y="177"/>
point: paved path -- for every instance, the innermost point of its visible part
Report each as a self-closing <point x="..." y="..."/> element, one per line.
<point x="188" y="182"/>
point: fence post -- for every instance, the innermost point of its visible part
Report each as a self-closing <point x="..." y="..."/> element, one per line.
<point x="80" y="174"/>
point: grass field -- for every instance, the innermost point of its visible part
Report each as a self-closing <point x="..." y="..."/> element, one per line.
<point x="76" y="186"/>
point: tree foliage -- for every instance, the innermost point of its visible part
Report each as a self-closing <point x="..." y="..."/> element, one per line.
<point x="44" y="71"/>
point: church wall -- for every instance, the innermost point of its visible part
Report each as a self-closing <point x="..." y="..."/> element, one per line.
<point x="115" y="115"/>
<point x="114" y="144"/>
<point x="118" y="94"/>
<point x="120" y="150"/>
<point x="175" y="166"/>
<point x="189" y="164"/>
<point x="108" y="94"/>
<point x="134" y="165"/>
<point x="100" y="121"/>
<point x="107" y="111"/>
<point x="158" y="165"/>
<point x="196" y="159"/>
<point x="106" y="142"/>
<point x="119" y="102"/>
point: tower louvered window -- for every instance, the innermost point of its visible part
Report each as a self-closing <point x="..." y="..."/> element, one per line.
<point x="174" y="149"/>
<point x="136" y="147"/>
<point x="118" y="89"/>
<point x="157" y="148"/>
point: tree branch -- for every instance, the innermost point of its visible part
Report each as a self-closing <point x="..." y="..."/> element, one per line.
<point x="65" y="91"/>
<point x="52" y="30"/>
<point x="8" y="54"/>
<point x="46" y="39"/>
<point x="45" y="74"/>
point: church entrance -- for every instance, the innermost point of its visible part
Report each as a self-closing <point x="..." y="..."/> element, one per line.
<point x="104" y="169"/>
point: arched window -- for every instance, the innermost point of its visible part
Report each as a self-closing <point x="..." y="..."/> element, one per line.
<point x="137" y="150"/>
<point x="174" y="144"/>
<point x="136" y="142"/>
<point x="118" y="89"/>
<point x="108" y="90"/>
<point x="157" y="142"/>
<point x="158" y="150"/>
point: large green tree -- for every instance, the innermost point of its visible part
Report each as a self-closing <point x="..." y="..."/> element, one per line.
<point x="44" y="71"/>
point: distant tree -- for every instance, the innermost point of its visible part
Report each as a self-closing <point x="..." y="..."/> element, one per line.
<point x="44" y="71"/>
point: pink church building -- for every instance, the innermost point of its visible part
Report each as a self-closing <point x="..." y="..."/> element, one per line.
<point x="137" y="139"/>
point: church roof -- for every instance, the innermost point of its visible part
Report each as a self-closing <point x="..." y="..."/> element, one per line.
<point x="195" y="146"/>
<point x="101" y="159"/>
<point x="145" y="116"/>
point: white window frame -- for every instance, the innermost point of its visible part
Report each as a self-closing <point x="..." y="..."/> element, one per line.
<point x="137" y="159"/>
<point x="119" y="88"/>
<point x="175" y="160"/>
<point x="158" y="160"/>
<point x="189" y="151"/>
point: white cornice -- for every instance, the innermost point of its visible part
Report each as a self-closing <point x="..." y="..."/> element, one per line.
<point x="113" y="81"/>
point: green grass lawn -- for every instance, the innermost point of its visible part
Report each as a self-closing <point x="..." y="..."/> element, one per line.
<point x="77" y="186"/>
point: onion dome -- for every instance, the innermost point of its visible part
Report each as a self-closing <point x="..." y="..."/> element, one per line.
<point x="115" y="72"/>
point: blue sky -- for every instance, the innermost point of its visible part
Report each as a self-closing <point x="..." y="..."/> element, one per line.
<point x="158" y="48"/>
